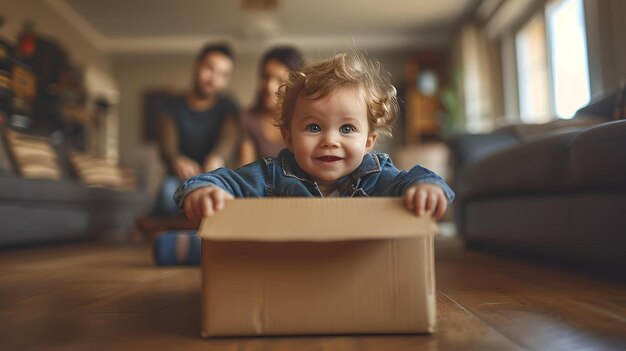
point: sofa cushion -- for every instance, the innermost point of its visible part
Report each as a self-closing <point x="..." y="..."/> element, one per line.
<point x="15" y="190"/>
<point x="599" y="156"/>
<point x="41" y="211"/>
<point x="534" y="167"/>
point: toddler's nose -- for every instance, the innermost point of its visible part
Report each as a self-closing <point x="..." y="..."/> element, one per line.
<point x="330" y="140"/>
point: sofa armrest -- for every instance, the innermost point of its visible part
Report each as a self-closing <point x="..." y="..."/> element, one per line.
<point x="469" y="148"/>
<point x="599" y="156"/>
<point x="542" y="166"/>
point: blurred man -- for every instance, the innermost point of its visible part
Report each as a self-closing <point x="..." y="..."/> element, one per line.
<point x="196" y="132"/>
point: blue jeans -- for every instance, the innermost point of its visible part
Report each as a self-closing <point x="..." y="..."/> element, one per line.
<point x="164" y="204"/>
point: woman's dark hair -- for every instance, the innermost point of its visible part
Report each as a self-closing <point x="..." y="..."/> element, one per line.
<point x="286" y="55"/>
<point x="222" y="48"/>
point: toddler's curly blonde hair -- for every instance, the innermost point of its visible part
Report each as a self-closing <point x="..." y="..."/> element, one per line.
<point x="350" y="69"/>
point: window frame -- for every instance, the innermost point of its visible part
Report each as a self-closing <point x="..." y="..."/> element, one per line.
<point x="540" y="8"/>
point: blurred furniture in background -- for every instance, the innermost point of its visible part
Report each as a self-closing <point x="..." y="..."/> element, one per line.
<point x="34" y="157"/>
<point x="101" y="173"/>
<point x="56" y="182"/>
<point x="424" y="78"/>
<point x="49" y="194"/>
<point x="41" y="201"/>
<point x="556" y="190"/>
<point x="44" y="211"/>
<point x="432" y="155"/>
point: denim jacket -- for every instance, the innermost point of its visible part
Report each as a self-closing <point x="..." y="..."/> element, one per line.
<point x="281" y="176"/>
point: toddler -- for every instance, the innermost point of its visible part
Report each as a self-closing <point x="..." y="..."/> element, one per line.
<point x="332" y="113"/>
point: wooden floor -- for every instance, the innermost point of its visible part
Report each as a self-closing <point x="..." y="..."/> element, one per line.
<point x="112" y="297"/>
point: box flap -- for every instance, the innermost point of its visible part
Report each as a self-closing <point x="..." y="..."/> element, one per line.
<point x="314" y="219"/>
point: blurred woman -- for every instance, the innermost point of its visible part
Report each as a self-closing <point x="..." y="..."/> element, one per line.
<point x="262" y="138"/>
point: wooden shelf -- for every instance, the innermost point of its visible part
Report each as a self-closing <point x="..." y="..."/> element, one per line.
<point x="424" y="76"/>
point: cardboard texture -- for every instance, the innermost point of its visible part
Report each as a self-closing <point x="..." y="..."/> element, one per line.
<point x="297" y="266"/>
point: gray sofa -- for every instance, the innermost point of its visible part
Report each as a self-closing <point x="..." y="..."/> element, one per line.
<point x="46" y="211"/>
<point x="558" y="192"/>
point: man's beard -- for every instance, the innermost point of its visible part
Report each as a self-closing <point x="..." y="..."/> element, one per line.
<point x="201" y="93"/>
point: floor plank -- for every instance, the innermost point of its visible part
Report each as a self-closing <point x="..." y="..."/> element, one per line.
<point x="112" y="297"/>
<point x="536" y="306"/>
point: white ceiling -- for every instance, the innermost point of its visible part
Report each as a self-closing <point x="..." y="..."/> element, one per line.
<point x="180" y="25"/>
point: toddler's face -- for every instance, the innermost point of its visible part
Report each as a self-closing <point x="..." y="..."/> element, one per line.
<point x="330" y="136"/>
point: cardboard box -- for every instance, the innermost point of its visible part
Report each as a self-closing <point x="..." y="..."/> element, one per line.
<point x="296" y="266"/>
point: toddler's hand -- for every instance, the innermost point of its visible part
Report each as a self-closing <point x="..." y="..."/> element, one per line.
<point x="426" y="198"/>
<point x="203" y="202"/>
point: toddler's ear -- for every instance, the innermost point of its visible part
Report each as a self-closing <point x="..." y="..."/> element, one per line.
<point x="287" y="138"/>
<point x="371" y="141"/>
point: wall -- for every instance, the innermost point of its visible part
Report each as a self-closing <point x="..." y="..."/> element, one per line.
<point x="606" y="33"/>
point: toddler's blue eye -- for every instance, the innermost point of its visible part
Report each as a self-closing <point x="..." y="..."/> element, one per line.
<point x="313" y="128"/>
<point x="346" y="129"/>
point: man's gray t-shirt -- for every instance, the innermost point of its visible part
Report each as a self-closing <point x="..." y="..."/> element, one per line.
<point x="198" y="131"/>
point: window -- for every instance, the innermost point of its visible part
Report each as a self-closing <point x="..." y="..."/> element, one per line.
<point x="568" y="56"/>
<point x="552" y="67"/>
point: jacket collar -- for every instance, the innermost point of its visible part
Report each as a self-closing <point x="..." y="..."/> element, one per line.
<point x="370" y="164"/>
<point x="290" y="166"/>
<point x="352" y="182"/>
